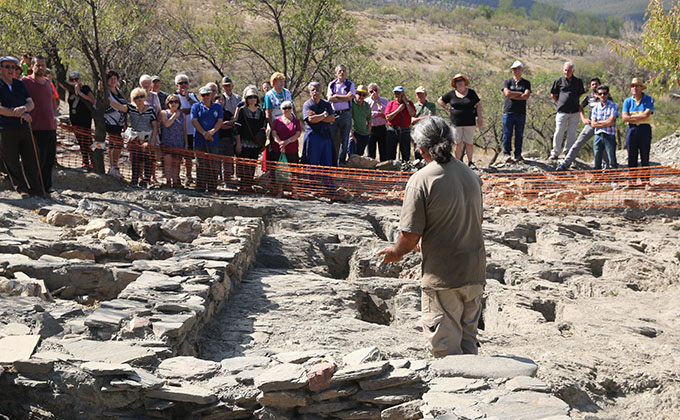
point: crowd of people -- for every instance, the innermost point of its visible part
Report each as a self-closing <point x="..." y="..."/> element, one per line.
<point x="154" y="125"/>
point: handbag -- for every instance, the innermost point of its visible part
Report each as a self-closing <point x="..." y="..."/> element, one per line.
<point x="283" y="170"/>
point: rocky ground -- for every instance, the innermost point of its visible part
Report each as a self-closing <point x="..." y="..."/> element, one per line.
<point x="590" y="297"/>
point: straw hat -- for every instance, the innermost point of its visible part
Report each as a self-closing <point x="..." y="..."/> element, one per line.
<point x="458" y="76"/>
<point x="637" y="82"/>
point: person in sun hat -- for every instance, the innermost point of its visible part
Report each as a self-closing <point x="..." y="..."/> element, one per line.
<point x="516" y="90"/>
<point x="465" y="110"/>
<point x="637" y="111"/>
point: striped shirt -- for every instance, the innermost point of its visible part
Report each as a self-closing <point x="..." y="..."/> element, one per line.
<point x="602" y="112"/>
<point x="141" y="122"/>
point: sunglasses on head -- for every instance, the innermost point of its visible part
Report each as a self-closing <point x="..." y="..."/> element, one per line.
<point x="139" y="97"/>
<point x="183" y="82"/>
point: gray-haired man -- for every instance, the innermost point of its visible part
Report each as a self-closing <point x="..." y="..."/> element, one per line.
<point x="566" y="92"/>
<point x="442" y="209"/>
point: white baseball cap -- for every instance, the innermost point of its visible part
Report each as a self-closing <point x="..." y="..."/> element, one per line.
<point x="516" y="64"/>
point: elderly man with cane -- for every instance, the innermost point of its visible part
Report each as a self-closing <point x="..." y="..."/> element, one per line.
<point x="16" y="140"/>
<point x="442" y="209"/>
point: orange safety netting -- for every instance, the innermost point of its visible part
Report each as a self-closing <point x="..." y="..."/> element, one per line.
<point x="656" y="186"/>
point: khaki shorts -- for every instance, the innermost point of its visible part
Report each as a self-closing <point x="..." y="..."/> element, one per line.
<point x="464" y="134"/>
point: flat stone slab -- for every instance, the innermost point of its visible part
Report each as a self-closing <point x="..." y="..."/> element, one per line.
<point x="528" y="405"/>
<point x="214" y="254"/>
<point x="526" y="383"/>
<point x="185" y="393"/>
<point x="187" y="368"/>
<point x="33" y="366"/>
<point x="394" y="378"/>
<point x="473" y="366"/>
<point x="106" y="351"/>
<point x="364" y="370"/>
<point x="107" y="369"/>
<point x="299" y="356"/>
<point x="456" y="384"/>
<point x="406" y="411"/>
<point x="106" y="318"/>
<point x="17" y="347"/>
<point x="238" y="364"/>
<point x="365" y="355"/>
<point x="282" y="377"/>
<point x="390" y="396"/>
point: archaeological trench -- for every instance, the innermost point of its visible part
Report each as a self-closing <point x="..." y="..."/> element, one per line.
<point x="156" y="304"/>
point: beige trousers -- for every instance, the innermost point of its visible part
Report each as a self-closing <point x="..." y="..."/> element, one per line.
<point x="450" y="319"/>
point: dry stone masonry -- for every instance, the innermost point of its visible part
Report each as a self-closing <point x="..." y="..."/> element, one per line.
<point x="159" y="305"/>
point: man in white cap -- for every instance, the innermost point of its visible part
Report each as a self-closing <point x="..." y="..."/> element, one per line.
<point x="156" y="88"/>
<point x="15" y="133"/>
<point x="424" y="108"/>
<point x="516" y="90"/>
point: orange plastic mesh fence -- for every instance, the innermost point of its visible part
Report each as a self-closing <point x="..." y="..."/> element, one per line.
<point x="653" y="187"/>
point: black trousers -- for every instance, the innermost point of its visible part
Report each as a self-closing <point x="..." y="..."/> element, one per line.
<point x="46" y="140"/>
<point x="378" y="138"/>
<point x="398" y="137"/>
<point x="16" y="143"/>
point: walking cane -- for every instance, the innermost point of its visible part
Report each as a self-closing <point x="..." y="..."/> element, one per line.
<point x="37" y="159"/>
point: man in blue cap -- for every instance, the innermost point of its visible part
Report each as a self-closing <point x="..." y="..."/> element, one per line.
<point x="15" y="133"/>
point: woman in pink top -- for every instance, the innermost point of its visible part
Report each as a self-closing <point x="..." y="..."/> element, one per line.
<point x="286" y="131"/>
<point x="378" y="120"/>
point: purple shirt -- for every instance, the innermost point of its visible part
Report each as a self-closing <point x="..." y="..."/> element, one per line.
<point x="376" y="108"/>
<point x="337" y="88"/>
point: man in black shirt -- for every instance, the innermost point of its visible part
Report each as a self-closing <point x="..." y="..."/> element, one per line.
<point x="516" y="90"/>
<point x="566" y="92"/>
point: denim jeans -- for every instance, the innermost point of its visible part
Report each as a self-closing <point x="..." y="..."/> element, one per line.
<point x="513" y="122"/>
<point x="342" y="127"/>
<point x="605" y="143"/>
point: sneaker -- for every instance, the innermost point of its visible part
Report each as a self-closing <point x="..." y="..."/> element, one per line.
<point x="472" y="165"/>
<point x="509" y="159"/>
<point x="519" y="158"/>
<point x="561" y="168"/>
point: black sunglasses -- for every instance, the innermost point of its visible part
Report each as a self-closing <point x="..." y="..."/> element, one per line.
<point x="371" y="91"/>
<point x="287" y="107"/>
<point x="361" y="94"/>
<point x="139" y="97"/>
<point x="205" y="94"/>
<point x="251" y="96"/>
<point x="10" y="67"/>
<point x="173" y="102"/>
<point x="184" y="82"/>
<point x="74" y="79"/>
<point x="458" y="80"/>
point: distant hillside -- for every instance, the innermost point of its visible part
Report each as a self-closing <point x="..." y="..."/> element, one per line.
<point x="631" y="9"/>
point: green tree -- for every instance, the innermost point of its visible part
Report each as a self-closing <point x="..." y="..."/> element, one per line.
<point x="658" y="48"/>
<point x="100" y="32"/>
<point x="303" y="39"/>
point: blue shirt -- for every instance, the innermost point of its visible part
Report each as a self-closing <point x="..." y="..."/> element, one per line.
<point x="601" y="112"/>
<point x="207" y="118"/>
<point x="321" y="128"/>
<point x="633" y="107"/>
<point x="11" y="99"/>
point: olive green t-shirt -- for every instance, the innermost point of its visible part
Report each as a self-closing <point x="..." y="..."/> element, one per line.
<point x="361" y="115"/>
<point x="428" y="108"/>
<point x="443" y="203"/>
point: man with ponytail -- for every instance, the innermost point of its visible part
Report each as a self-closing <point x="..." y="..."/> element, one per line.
<point x="442" y="209"/>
